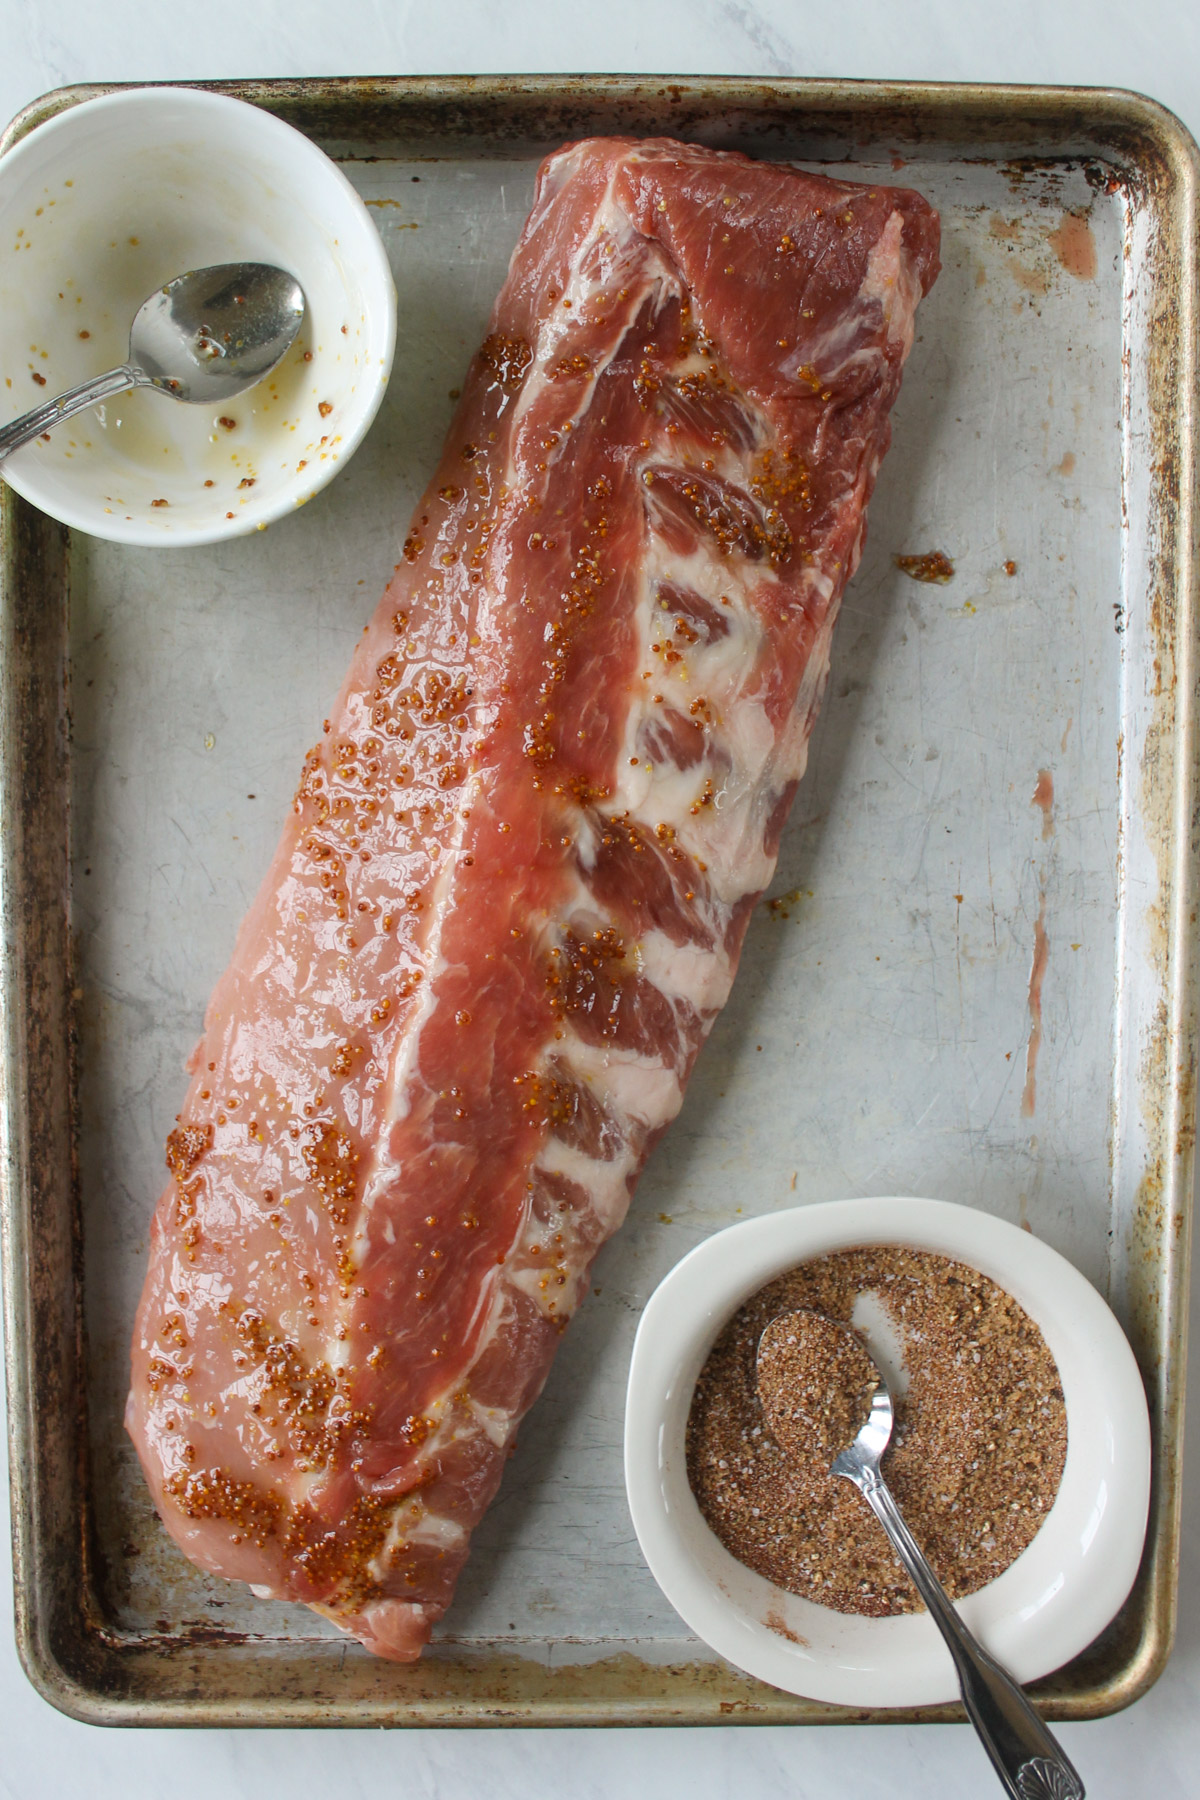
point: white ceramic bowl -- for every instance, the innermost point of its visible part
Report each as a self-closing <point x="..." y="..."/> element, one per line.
<point x="1044" y="1609"/>
<point x="108" y="200"/>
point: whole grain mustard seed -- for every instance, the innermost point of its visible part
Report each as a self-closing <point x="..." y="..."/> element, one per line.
<point x="975" y="1459"/>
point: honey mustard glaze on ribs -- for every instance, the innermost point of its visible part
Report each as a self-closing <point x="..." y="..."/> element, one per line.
<point x="510" y="899"/>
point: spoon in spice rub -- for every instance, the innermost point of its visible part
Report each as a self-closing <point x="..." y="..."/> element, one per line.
<point x="204" y="337"/>
<point x="823" y="1394"/>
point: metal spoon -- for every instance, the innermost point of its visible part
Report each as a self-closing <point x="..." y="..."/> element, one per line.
<point x="204" y="337"/>
<point x="1027" y="1757"/>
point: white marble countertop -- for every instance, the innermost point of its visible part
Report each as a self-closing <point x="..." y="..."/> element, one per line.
<point x="1154" y="48"/>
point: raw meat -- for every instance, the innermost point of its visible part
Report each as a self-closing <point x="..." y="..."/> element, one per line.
<point x="511" y="898"/>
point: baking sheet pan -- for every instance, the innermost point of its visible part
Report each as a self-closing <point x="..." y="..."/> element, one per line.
<point x="155" y="707"/>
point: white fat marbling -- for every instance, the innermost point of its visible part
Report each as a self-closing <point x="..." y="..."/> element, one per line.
<point x="684" y="971"/>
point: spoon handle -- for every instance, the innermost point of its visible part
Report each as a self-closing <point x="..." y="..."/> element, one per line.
<point x="1027" y="1757"/>
<point x="65" y="406"/>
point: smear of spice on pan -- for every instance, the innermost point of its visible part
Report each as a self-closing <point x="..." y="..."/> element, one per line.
<point x="975" y="1459"/>
<point x="934" y="565"/>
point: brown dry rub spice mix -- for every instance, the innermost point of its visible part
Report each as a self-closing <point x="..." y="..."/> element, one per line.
<point x="975" y="1458"/>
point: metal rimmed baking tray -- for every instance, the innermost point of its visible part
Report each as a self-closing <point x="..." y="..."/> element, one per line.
<point x="155" y="707"/>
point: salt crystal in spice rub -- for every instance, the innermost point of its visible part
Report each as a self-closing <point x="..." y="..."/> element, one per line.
<point x="510" y="899"/>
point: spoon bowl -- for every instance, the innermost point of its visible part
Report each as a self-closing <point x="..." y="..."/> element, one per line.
<point x="203" y="338"/>
<point x="819" y="1386"/>
<point x="213" y="332"/>
<point x="873" y="1437"/>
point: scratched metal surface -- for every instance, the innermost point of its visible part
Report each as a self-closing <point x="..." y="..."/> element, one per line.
<point x="967" y="846"/>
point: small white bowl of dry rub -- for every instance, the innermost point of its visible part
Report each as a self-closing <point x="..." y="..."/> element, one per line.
<point x="1020" y="1457"/>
